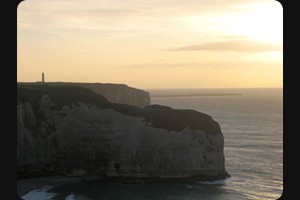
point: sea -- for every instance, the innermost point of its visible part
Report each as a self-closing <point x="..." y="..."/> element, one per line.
<point x="251" y="121"/>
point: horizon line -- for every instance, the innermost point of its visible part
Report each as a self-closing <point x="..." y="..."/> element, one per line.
<point x="162" y="88"/>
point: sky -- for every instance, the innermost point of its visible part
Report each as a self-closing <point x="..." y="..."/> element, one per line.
<point x="151" y="44"/>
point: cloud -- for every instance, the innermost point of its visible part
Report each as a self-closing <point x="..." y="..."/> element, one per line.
<point x="117" y="8"/>
<point x="212" y="65"/>
<point x="240" y="45"/>
<point x="99" y="12"/>
<point x="117" y="15"/>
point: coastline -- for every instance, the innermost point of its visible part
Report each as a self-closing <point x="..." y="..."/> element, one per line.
<point x="26" y="185"/>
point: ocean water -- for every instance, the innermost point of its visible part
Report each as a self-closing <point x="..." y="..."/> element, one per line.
<point x="252" y="125"/>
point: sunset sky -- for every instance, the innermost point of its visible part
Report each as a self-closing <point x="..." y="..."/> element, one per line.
<point x="152" y="43"/>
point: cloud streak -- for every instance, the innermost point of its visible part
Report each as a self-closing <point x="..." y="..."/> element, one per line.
<point x="212" y="65"/>
<point x="241" y="45"/>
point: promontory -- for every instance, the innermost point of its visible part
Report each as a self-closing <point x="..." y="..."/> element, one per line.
<point x="67" y="128"/>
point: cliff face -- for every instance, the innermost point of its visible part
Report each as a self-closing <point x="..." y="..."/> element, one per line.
<point x="66" y="129"/>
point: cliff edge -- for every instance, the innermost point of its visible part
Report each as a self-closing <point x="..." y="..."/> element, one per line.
<point x="116" y="93"/>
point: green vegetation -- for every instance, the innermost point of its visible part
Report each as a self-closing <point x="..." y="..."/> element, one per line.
<point x="60" y="95"/>
<point x="156" y="116"/>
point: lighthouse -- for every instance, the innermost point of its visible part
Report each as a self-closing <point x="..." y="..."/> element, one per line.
<point x="43" y="77"/>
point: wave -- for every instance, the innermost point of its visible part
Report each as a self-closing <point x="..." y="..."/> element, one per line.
<point x="77" y="196"/>
<point x="189" y="186"/>
<point x="216" y="182"/>
<point x="70" y="197"/>
<point x="38" y="194"/>
<point x="222" y="181"/>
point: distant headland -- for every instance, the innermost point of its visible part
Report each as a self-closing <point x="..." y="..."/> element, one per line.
<point x="193" y="95"/>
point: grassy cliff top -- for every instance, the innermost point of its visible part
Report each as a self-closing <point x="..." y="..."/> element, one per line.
<point x="158" y="116"/>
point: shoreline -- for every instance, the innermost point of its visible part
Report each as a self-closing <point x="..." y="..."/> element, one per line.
<point x="26" y="185"/>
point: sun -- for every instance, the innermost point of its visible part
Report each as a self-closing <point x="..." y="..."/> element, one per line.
<point x="259" y="21"/>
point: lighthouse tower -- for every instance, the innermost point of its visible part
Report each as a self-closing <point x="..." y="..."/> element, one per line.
<point x="43" y="77"/>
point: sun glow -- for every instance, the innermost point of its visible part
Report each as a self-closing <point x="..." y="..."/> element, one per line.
<point x="263" y="22"/>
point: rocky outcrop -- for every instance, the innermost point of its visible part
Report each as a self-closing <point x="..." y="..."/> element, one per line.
<point x="116" y="93"/>
<point x="66" y="129"/>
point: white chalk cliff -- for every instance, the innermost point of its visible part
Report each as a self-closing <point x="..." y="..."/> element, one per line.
<point x="57" y="134"/>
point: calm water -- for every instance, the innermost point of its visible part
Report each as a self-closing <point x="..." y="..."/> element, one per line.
<point x="253" y="132"/>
